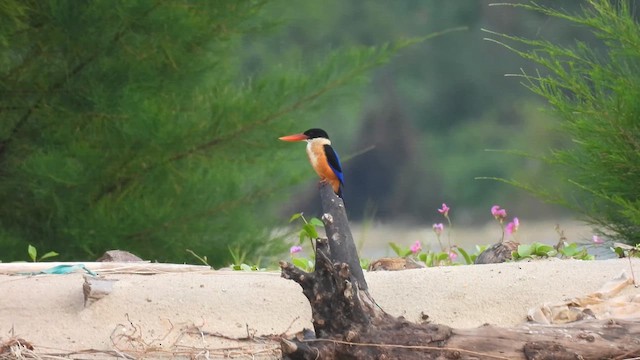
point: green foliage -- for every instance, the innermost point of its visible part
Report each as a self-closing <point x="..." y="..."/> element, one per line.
<point x="437" y="258"/>
<point x="308" y="231"/>
<point x="537" y="250"/>
<point x="431" y="259"/>
<point x="470" y="259"/>
<point x="309" y="228"/>
<point x="431" y="112"/>
<point x="623" y="250"/>
<point x="33" y="254"/>
<point x="239" y="257"/>
<point x="304" y="263"/>
<point x="203" y="259"/>
<point x="132" y="125"/>
<point x="534" y="250"/>
<point x="595" y="93"/>
<point x="400" y="250"/>
<point x="575" y="251"/>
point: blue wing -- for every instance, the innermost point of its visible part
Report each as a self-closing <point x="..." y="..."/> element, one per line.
<point x="334" y="162"/>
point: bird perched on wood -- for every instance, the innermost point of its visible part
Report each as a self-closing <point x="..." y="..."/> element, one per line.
<point x="323" y="158"/>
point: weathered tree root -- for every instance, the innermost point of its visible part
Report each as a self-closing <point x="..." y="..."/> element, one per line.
<point x="349" y="325"/>
<point x="347" y="321"/>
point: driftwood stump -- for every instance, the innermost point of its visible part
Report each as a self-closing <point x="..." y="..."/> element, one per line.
<point x="348" y="324"/>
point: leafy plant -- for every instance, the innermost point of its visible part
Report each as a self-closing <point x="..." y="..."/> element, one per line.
<point x="536" y="249"/>
<point x="574" y="251"/>
<point x="435" y="258"/>
<point x="447" y="255"/>
<point x="595" y="93"/>
<point x="400" y="250"/>
<point x="127" y="135"/>
<point x="305" y="263"/>
<point x="623" y="250"/>
<point x="33" y="254"/>
<point x="203" y="259"/>
<point x="432" y="259"/>
<point x="238" y="257"/>
<point x="309" y="229"/>
<point x="470" y="259"/>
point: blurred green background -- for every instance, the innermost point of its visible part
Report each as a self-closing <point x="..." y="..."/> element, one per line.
<point x="432" y="113"/>
<point x="152" y="126"/>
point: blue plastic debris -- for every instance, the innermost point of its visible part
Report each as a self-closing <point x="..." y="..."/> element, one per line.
<point x="64" y="269"/>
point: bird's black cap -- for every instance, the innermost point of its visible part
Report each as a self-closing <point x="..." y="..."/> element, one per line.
<point x="316" y="133"/>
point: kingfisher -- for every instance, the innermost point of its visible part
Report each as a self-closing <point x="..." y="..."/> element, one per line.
<point x="323" y="158"/>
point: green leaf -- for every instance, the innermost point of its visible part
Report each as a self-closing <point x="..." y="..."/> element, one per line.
<point x="302" y="235"/>
<point x="542" y="249"/>
<point x="619" y="251"/>
<point x="245" y="267"/>
<point x="430" y="259"/>
<point x="465" y="255"/>
<point x="311" y="231"/>
<point x="301" y="263"/>
<point x="295" y="217"/>
<point x="396" y="248"/>
<point x="316" y="222"/>
<point x="442" y="256"/>
<point x="569" y="250"/>
<point x="49" y="254"/>
<point x="582" y="255"/>
<point x="364" y="263"/>
<point x="593" y="90"/>
<point x="33" y="252"/>
<point x="524" y="250"/>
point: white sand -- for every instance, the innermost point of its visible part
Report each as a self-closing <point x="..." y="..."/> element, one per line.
<point x="175" y="314"/>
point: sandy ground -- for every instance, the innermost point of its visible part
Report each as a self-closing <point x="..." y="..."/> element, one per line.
<point x="198" y="314"/>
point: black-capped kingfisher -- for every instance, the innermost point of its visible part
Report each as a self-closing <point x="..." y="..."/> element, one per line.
<point x="323" y="158"/>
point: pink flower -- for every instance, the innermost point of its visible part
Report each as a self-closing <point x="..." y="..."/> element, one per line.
<point x="295" y="249"/>
<point x="438" y="228"/>
<point x="512" y="227"/>
<point x="416" y="247"/>
<point x="453" y="256"/>
<point x="597" y="239"/>
<point x="499" y="214"/>
<point x="445" y="210"/>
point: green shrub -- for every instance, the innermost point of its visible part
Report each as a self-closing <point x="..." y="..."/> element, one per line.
<point x="131" y="125"/>
<point x="594" y="89"/>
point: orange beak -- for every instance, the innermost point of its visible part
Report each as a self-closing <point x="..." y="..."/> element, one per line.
<point x="295" y="137"/>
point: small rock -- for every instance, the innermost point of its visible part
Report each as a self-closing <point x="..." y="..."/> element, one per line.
<point x="118" y="256"/>
<point x="393" y="264"/>
<point x="497" y="253"/>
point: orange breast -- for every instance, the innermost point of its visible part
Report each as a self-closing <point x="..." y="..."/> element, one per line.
<point x="319" y="162"/>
